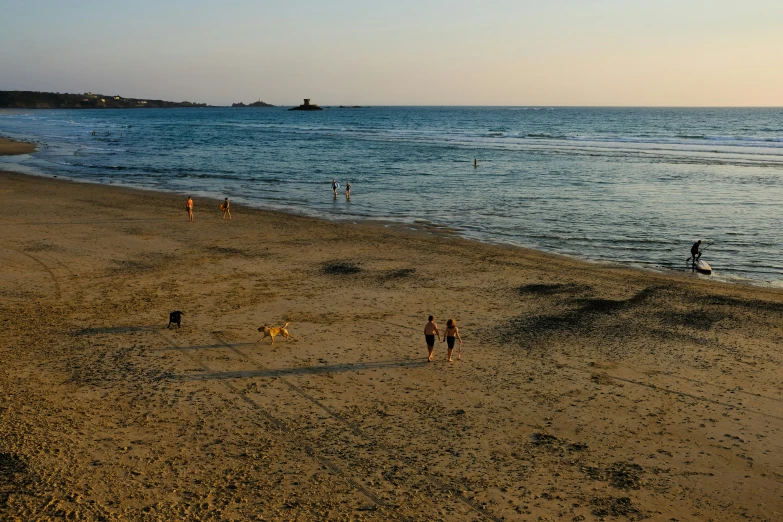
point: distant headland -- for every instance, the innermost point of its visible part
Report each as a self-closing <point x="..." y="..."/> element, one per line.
<point x="259" y="103"/>
<point x="88" y="100"/>
<point x="306" y="106"/>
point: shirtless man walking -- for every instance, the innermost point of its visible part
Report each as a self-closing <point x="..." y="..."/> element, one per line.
<point x="430" y="331"/>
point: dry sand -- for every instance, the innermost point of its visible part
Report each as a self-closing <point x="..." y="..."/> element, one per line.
<point x="585" y="392"/>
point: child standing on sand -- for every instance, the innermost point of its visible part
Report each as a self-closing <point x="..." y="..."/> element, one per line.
<point x="430" y="331"/>
<point x="189" y="208"/>
<point x="452" y="332"/>
<point x="225" y="207"/>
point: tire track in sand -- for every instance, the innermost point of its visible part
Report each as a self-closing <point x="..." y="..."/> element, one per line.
<point x="381" y="504"/>
<point x="356" y="430"/>
<point x="46" y="268"/>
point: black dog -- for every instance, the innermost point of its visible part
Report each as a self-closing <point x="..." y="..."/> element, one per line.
<point x="175" y="317"/>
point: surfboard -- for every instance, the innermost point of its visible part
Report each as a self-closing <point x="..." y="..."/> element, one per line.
<point x="703" y="267"/>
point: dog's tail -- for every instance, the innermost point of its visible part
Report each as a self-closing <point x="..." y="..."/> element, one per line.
<point x="286" y="324"/>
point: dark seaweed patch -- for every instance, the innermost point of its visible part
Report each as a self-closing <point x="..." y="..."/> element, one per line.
<point x="229" y="251"/>
<point x="398" y="274"/>
<point x="14" y="476"/>
<point x="552" y="289"/>
<point x="609" y="506"/>
<point x="148" y="263"/>
<point x="580" y="319"/>
<point x="620" y="475"/>
<point x="544" y="439"/>
<point x="699" y="319"/>
<point x="341" y="268"/>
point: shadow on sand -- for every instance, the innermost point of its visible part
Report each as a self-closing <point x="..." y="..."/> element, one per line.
<point x="303" y="370"/>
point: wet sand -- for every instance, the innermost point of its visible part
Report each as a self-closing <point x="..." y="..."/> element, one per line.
<point x="10" y="147"/>
<point x="584" y="391"/>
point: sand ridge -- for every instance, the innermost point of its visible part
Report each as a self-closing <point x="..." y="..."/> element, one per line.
<point x="584" y="392"/>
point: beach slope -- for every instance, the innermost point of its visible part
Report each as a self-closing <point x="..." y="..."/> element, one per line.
<point x="584" y="391"/>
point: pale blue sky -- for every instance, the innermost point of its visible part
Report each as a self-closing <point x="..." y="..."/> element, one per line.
<point x="405" y="52"/>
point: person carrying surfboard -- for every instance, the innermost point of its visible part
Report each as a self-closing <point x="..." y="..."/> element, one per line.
<point x="695" y="252"/>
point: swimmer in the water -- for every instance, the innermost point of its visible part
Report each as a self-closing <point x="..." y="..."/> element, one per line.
<point x="475" y="163"/>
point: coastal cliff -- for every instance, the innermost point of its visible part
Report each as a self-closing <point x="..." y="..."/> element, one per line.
<point x="88" y="100"/>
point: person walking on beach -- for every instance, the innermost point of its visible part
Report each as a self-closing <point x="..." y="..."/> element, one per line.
<point x="452" y="333"/>
<point x="226" y="208"/>
<point x="189" y="208"/>
<point x="430" y="331"/>
<point x="335" y="185"/>
<point x="348" y="190"/>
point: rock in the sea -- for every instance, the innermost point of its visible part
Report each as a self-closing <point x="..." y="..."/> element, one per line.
<point x="306" y="106"/>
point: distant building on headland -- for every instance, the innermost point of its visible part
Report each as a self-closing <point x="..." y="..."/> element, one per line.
<point x="306" y="106"/>
<point x="259" y="103"/>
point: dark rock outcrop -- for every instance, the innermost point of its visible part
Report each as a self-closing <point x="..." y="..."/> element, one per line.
<point x="306" y="106"/>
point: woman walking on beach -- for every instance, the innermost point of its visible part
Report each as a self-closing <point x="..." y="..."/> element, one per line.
<point x="225" y="207"/>
<point x="189" y="208"/>
<point x="452" y="332"/>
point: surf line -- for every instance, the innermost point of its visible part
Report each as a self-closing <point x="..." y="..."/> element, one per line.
<point x="299" y="441"/>
<point x="474" y="506"/>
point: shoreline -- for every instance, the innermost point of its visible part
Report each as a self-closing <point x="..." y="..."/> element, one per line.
<point x="582" y="391"/>
<point x="416" y="226"/>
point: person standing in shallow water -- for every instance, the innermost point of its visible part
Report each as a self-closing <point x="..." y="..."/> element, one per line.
<point x="189" y="208"/>
<point x="452" y="334"/>
<point x="334" y="187"/>
<point x="348" y="190"/>
<point x="430" y="331"/>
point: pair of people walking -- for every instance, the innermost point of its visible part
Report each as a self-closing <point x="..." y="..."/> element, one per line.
<point x="336" y="185"/>
<point x="450" y="336"/>
<point x="225" y="207"/>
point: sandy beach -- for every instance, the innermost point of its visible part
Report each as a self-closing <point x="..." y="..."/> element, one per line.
<point x="11" y="148"/>
<point x="584" y="391"/>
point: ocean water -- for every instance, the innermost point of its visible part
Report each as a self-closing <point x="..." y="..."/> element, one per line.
<point x="621" y="185"/>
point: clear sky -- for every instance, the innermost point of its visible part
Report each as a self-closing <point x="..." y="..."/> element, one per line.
<point x="401" y="52"/>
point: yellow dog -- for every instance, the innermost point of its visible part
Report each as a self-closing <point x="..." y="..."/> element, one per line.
<point x="272" y="332"/>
